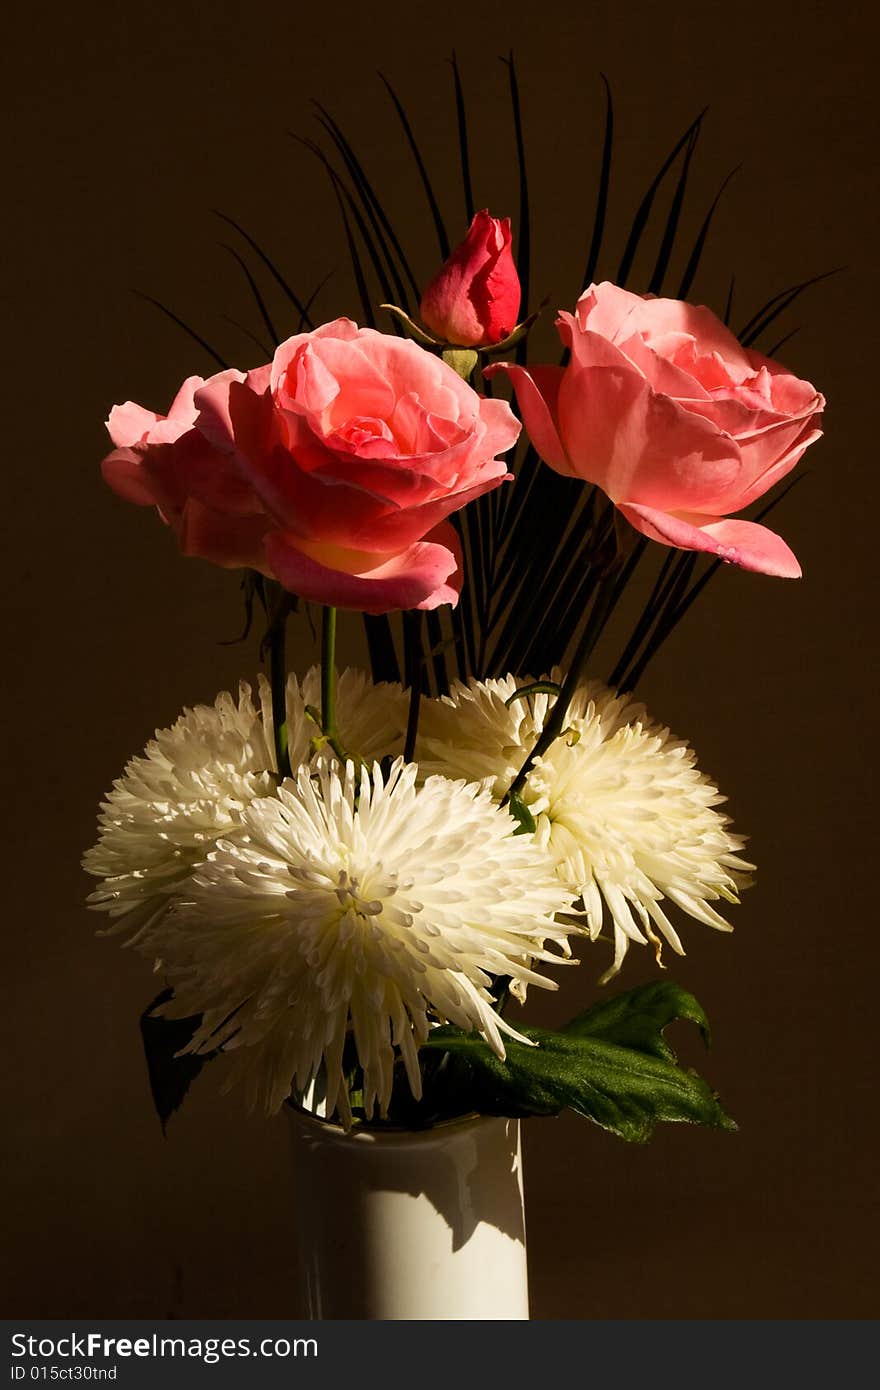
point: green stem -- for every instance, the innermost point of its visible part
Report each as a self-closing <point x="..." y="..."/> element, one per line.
<point x="602" y="605"/>
<point x="325" y="718"/>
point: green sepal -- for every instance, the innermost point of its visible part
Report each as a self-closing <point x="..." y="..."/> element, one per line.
<point x="413" y="329"/>
<point x="611" y="1064"/>
<point x="283" y="745"/>
<point x="461" y="360"/>
<point x="521" y="814"/>
<point x="516" y="335"/>
<point x="533" y="688"/>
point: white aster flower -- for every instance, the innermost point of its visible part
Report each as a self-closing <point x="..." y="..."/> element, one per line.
<point x="194" y="781"/>
<point x="350" y="903"/>
<point x="621" y="808"/>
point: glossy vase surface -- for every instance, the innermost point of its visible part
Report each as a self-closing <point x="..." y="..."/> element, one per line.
<point x="410" y="1224"/>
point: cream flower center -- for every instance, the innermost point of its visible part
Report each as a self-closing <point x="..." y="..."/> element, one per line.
<point x="353" y="893"/>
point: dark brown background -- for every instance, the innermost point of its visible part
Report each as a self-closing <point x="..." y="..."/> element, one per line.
<point x="126" y="128"/>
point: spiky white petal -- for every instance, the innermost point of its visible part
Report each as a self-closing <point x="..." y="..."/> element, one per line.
<point x="363" y="904"/>
<point x="195" y="780"/>
<point x="621" y="808"/>
<point x="371" y="718"/>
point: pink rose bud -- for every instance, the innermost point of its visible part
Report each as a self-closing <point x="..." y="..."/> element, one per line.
<point x="474" y="299"/>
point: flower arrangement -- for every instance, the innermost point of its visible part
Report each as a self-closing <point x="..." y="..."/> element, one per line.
<point x="347" y="880"/>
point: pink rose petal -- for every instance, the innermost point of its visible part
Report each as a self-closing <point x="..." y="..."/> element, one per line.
<point x="737" y="542"/>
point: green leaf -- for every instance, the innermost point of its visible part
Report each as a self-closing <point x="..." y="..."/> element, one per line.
<point x="611" y="1065"/>
<point x="637" y="1018"/>
<point x="170" y="1075"/>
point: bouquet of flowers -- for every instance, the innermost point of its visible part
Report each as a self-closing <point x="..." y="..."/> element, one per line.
<point x="348" y="880"/>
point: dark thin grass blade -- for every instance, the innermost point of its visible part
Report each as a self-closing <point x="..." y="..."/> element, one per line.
<point x="356" y="263"/>
<point x="622" y="582"/>
<point x="370" y="193"/>
<point x="728" y="308"/>
<point x="311" y="299"/>
<point x="601" y="191"/>
<point x="563" y="528"/>
<point x="399" y="295"/>
<point x="436" y="642"/>
<point x="255" y="291"/>
<point x="469" y="523"/>
<point x="524" y="238"/>
<point x="463" y="614"/>
<point x="461" y="119"/>
<point x="458" y="642"/>
<point x="342" y="191"/>
<point x="646" y="619"/>
<point x="415" y="675"/>
<point x="475" y="519"/>
<point x="631" y="565"/>
<point x="413" y="648"/>
<point x="765" y="322"/>
<point x="439" y="226"/>
<point x="196" y="337"/>
<point x="777" y="305"/>
<point x="786" y="338"/>
<point x="526" y="470"/>
<point x="270" y="266"/>
<point x="258" y="342"/>
<point x="485" y="513"/>
<point x="696" y="255"/>
<point x="667" y="242"/>
<point x="780" y="309"/>
<point x="380" y="644"/>
<point x="523" y="464"/>
<point x="665" y="623"/>
<point x="498" y="504"/>
<point x="553" y="638"/>
<point x="471" y="598"/>
<point x="700" y="584"/>
<point x="640" y="221"/>
<point x="473" y="576"/>
<point x="538" y="531"/>
<point x="601" y="202"/>
<point x="526" y="601"/>
<point x="550" y="644"/>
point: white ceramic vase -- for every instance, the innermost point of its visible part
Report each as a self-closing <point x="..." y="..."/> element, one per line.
<point x="410" y="1224"/>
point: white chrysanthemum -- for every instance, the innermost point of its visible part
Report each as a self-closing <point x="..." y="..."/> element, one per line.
<point x="371" y="718"/>
<point x="362" y="904"/>
<point x="195" y="780"/>
<point x="620" y="806"/>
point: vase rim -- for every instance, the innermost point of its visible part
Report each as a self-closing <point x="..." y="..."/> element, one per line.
<point x="390" y="1136"/>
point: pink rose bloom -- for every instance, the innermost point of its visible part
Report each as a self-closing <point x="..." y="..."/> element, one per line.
<point x="668" y="414"/>
<point x="474" y="298"/>
<point x="165" y="461"/>
<point x="338" y="462"/>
